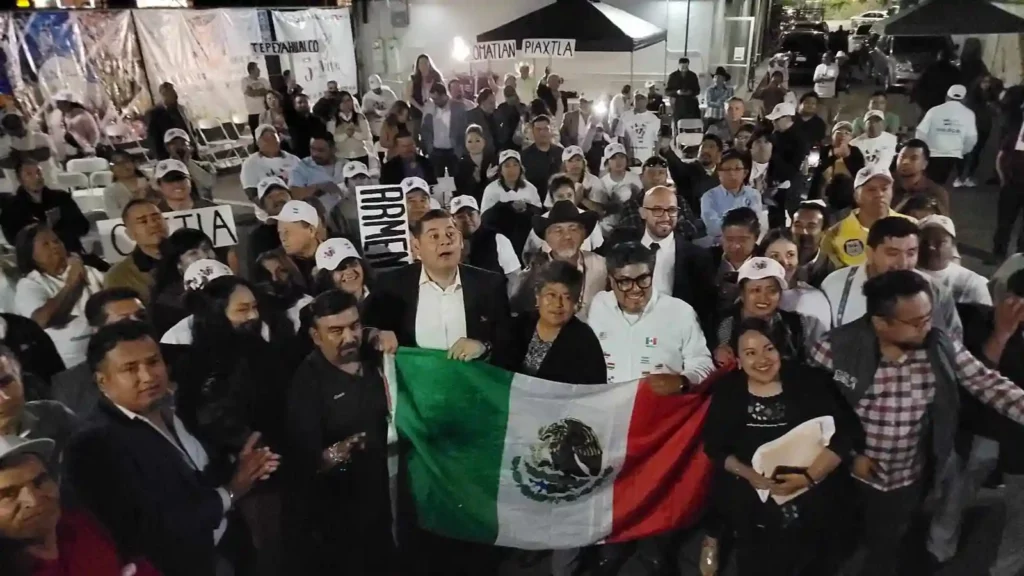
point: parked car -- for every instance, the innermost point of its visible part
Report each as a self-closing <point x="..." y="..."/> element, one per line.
<point x="805" y="50"/>
<point x="868" y="18"/>
<point x="859" y="39"/>
<point x="806" y="26"/>
<point x="898" y="61"/>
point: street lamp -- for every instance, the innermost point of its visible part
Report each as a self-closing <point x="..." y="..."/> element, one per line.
<point x="460" y="50"/>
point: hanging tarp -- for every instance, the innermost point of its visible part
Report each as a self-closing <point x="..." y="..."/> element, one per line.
<point x="8" y="57"/>
<point x="89" y="57"/>
<point x="204" y="53"/>
<point x="596" y="27"/>
<point x="952" y="18"/>
<point x="316" y="45"/>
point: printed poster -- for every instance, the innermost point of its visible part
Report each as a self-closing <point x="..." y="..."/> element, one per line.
<point x="330" y="33"/>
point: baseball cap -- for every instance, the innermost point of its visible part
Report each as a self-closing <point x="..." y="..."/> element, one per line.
<point x="415" y="183"/>
<point x="613" y="149"/>
<point x="11" y="446"/>
<point x="649" y="84"/>
<point x="166" y="167"/>
<point x="374" y="82"/>
<point x="571" y="151"/>
<point x="262" y="128"/>
<point x="268" y="184"/>
<point x="782" y="109"/>
<point x="462" y="202"/>
<point x="758" y="268"/>
<point x="333" y="251"/>
<point x="299" y="211"/>
<point x="355" y="168"/>
<point x="201" y="272"/>
<point x="176" y="133"/>
<point x="871" y="171"/>
<point x="939" y="221"/>
<point x="874" y="114"/>
<point x="506" y="154"/>
<point x="842" y="126"/>
<point x="957" y="92"/>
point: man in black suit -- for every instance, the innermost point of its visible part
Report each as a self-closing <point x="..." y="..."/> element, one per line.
<point x="438" y="303"/>
<point x="682" y="269"/>
<point x="407" y="163"/>
<point x="144" y="476"/>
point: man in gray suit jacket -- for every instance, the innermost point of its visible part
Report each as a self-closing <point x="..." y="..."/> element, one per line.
<point x="443" y="132"/>
<point x="577" y="121"/>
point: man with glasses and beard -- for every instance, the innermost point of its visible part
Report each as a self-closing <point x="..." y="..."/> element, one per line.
<point x="337" y="427"/>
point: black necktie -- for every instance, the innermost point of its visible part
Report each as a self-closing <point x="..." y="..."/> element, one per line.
<point x="655" y="247"/>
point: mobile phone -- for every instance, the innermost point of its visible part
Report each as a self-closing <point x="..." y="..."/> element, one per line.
<point x="784" y="470"/>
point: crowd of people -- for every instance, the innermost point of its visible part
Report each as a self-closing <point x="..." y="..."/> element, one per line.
<point x="195" y="411"/>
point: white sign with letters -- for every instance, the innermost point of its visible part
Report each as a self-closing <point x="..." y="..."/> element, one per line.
<point x="384" y="226"/>
<point x="549" y="48"/>
<point x="500" y="50"/>
<point x="217" y="222"/>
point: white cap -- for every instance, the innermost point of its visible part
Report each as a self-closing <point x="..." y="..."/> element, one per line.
<point x="782" y="109"/>
<point x="957" y="92"/>
<point x="758" y="268"/>
<point x="333" y="252"/>
<point x="613" y="149"/>
<point x="201" y="272"/>
<point x="267" y="183"/>
<point x="354" y="168"/>
<point x="175" y="133"/>
<point x="14" y="445"/>
<point x="874" y="114"/>
<point x="165" y="167"/>
<point x="843" y="125"/>
<point x="570" y="152"/>
<point x="649" y="84"/>
<point x="939" y="221"/>
<point x="415" y="183"/>
<point x="871" y="171"/>
<point x="506" y="154"/>
<point x="840" y="54"/>
<point x="263" y="128"/>
<point x="374" y="81"/>
<point x="299" y="211"/>
<point x="464" y="201"/>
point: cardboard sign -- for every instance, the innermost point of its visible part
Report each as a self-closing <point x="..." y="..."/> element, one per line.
<point x="384" y="226"/>
<point x="217" y="222"/>
<point x="549" y="48"/>
<point x="290" y="47"/>
<point x="500" y="50"/>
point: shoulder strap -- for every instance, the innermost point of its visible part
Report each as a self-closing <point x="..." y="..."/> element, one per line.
<point x="841" y="310"/>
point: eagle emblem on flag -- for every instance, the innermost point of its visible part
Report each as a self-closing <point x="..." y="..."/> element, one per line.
<point x="564" y="465"/>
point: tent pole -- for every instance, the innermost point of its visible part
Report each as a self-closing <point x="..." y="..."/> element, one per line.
<point x="667" y="12"/>
<point x="631" y="53"/>
<point x="686" y="37"/>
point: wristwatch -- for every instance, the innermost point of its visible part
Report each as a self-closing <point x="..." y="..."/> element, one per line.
<point x="809" y="477"/>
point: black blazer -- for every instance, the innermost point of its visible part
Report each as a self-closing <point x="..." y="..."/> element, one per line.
<point x="141" y="488"/>
<point x="393" y="303"/>
<point x="393" y="172"/>
<point x="575" y="357"/>
<point x="693" y="275"/>
<point x="464" y="181"/>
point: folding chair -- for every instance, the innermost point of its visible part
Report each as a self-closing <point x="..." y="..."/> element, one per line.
<point x="122" y="138"/>
<point x="212" y="139"/>
<point x="101" y="179"/>
<point x="87" y="166"/>
<point x="72" y="181"/>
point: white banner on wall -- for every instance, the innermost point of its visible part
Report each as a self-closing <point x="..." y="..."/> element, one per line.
<point x="334" y="59"/>
<point x="204" y="53"/>
<point x="549" y="48"/>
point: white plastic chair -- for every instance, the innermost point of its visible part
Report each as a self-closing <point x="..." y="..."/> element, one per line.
<point x="87" y="165"/>
<point x="73" y="180"/>
<point x="101" y="179"/>
<point x="120" y="134"/>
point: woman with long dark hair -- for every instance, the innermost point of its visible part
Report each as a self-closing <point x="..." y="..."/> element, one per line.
<point x="983" y="100"/>
<point x="396" y="121"/>
<point x="352" y="136"/>
<point x="341" y="267"/>
<point x="276" y="115"/>
<point x="477" y="167"/>
<point x="417" y="89"/>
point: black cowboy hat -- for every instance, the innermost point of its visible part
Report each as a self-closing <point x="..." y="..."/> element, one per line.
<point x="720" y="71"/>
<point x="565" y="211"/>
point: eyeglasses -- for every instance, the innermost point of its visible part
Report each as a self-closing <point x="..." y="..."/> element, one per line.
<point x="626" y="283"/>
<point x="659" y="212"/>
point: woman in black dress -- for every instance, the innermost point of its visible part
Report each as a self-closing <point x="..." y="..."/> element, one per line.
<point x="550" y="342"/>
<point x="758" y="403"/>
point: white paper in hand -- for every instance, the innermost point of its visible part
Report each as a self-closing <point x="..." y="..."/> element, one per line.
<point x="799" y="447"/>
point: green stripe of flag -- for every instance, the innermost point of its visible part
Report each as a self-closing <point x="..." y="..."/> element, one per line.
<point x="453" y="415"/>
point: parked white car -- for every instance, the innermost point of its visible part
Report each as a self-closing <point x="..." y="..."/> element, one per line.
<point x="868" y="18"/>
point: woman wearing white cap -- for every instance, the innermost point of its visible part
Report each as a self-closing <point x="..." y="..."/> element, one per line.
<point x="761" y="282"/>
<point x="618" y="185"/>
<point x="339" y="266"/>
<point x="797" y="295"/>
<point x="376" y="103"/>
<point x="195" y="277"/>
<point x="511" y="186"/>
<point x="588" y="186"/>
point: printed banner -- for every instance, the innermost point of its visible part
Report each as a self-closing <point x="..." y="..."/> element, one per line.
<point x="90" y="58"/>
<point x="384" y="226"/>
<point x="204" y="53"/>
<point x="549" y="48"/>
<point x="330" y="31"/>
<point x="500" y="50"/>
<point x="217" y="222"/>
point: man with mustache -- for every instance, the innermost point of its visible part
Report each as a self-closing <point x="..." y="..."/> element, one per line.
<point x="337" y="427"/>
<point x="902" y="377"/>
<point x="809" y="223"/>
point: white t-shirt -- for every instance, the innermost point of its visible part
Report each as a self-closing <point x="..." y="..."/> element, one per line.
<point x="879" y="151"/>
<point x="617" y="193"/>
<point x="36" y="288"/>
<point x="181" y="333"/>
<point x="967" y="286"/>
<point x="507" y="258"/>
<point x="495" y="193"/>
<point x="593" y="188"/>
<point x="825" y="79"/>
<point x="254" y="104"/>
<point x="257" y="167"/>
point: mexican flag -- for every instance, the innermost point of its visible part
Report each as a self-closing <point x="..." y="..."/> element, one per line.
<point x="498" y="457"/>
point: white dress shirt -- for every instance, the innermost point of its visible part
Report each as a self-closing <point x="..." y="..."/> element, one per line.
<point x="665" y="338"/>
<point x="665" y="261"/>
<point x="507" y="258"/>
<point x="443" y="128"/>
<point x="194" y="455"/>
<point x="496" y="193"/>
<point x="440" y="313"/>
